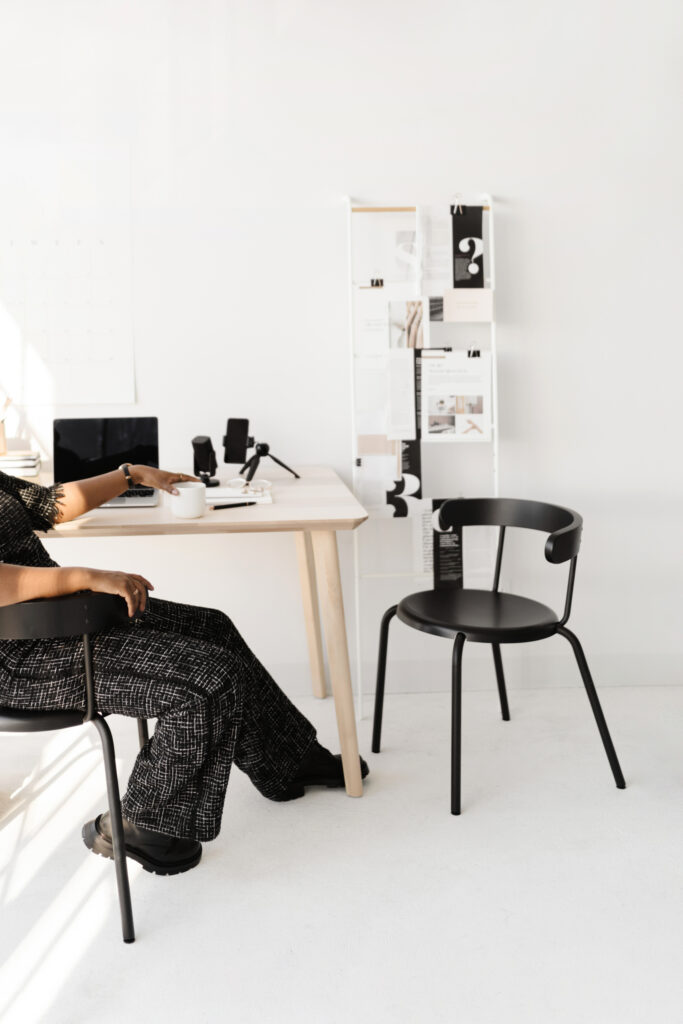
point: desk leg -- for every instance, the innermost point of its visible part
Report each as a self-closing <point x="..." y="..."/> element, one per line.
<point x="332" y="606"/>
<point x="309" y="596"/>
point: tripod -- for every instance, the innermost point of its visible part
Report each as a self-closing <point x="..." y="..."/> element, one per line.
<point x="260" y="451"/>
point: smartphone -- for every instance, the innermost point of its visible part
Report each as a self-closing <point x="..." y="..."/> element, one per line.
<point x="236" y="440"/>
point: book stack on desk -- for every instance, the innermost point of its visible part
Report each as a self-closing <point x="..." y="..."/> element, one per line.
<point x="20" y="463"/>
<point x="232" y="495"/>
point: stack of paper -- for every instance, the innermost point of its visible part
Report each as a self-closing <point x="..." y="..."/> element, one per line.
<point x="20" y="463"/>
<point x="232" y="495"/>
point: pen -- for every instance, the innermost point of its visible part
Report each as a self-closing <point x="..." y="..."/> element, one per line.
<point x="233" y="504"/>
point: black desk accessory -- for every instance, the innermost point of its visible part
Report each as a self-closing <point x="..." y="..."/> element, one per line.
<point x="205" y="463"/>
<point x="87" y="446"/>
<point x="232" y="504"/>
<point x="236" y="442"/>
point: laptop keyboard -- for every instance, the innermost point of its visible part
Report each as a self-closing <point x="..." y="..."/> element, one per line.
<point x="138" y="492"/>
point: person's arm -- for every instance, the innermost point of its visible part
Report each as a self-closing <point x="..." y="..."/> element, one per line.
<point x="25" y="583"/>
<point x="82" y="496"/>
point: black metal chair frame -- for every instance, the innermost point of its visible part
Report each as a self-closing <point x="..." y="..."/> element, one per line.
<point x="76" y="615"/>
<point x="564" y="529"/>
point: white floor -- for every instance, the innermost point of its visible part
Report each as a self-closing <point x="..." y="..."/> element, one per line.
<point x="554" y="897"/>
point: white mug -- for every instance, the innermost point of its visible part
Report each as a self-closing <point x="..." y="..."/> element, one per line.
<point x="190" y="501"/>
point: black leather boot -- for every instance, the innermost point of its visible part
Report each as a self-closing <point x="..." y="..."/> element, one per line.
<point x="164" y="855"/>
<point x="320" y="767"/>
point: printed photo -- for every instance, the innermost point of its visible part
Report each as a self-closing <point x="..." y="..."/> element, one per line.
<point x="405" y="324"/>
<point x="436" y="309"/>
<point x="441" y="424"/>
<point x="455" y="388"/>
<point x="443" y="405"/>
<point x="469" y="405"/>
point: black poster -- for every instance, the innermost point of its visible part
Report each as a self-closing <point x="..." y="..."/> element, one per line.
<point x="468" y="247"/>
<point x="410" y="484"/>
<point x="448" y="571"/>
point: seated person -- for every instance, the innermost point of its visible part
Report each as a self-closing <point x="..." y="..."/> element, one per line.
<point x="187" y="667"/>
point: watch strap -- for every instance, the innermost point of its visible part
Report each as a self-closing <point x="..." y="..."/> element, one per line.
<point x="125" y="469"/>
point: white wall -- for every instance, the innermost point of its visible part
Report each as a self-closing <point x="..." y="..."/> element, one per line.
<point x="248" y="122"/>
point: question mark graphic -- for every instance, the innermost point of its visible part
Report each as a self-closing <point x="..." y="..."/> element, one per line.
<point x="478" y="244"/>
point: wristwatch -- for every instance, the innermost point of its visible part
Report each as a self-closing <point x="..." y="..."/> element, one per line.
<point x="125" y="469"/>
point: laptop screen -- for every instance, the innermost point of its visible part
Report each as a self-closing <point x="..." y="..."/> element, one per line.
<point x="87" y="447"/>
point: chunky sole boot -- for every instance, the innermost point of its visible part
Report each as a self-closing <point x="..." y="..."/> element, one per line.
<point x="332" y="779"/>
<point x="158" y="853"/>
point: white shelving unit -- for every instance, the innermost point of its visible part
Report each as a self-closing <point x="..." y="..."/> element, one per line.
<point x="415" y="285"/>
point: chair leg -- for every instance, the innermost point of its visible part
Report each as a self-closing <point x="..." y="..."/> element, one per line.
<point x="381" y="673"/>
<point x="143" y="732"/>
<point x="116" y="828"/>
<point x="456" y="723"/>
<point x="500" y="679"/>
<point x="595" y="704"/>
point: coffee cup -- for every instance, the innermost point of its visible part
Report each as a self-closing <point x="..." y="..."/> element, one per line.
<point x="190" y="501"/>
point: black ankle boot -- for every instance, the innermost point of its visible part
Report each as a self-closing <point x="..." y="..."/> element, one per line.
<point x="320" y="767"/>
<point x="164" y="855"/>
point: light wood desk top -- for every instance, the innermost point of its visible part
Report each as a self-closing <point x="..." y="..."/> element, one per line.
<point x="318" y="501"/>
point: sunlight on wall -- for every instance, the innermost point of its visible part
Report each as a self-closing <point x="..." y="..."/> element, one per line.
<point x="26" y="377"/>
<point x="39" y="387"/>
<point x="11" y="366"/>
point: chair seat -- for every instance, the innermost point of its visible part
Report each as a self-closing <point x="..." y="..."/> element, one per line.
<point x="19" y="720"/>
<point x="482" y="615"/>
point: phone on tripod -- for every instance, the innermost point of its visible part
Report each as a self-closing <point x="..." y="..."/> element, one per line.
<point x="235" y="444"/>
<point x="237" y="440"/>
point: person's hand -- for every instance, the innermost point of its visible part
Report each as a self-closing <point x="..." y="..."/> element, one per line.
<point x="128" y="585"/>
<point x="149" y="476"/>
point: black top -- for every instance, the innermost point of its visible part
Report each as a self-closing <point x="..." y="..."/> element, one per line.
<point x="25" y="507"/>
<point x="562" y="524"/>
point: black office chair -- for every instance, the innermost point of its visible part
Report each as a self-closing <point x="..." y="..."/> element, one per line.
<point x="495" y="618"/>
<point x="76" y="615"/>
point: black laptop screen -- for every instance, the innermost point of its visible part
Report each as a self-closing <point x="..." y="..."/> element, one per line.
<point x="86" y="447"/>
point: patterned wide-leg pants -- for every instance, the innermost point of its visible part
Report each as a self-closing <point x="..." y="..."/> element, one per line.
<point x="214" y="703"/>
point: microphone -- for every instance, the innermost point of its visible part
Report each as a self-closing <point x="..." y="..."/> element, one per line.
<point x="205" y="463"/>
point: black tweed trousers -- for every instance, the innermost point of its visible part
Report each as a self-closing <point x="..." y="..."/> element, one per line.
<point x="215" y="703"/>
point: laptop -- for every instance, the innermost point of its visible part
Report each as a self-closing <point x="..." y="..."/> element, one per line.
<point x="89" y="446"/>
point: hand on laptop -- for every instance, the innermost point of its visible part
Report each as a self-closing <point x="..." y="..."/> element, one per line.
<point x="77" y="497"/>
<point x="161" y="479"/>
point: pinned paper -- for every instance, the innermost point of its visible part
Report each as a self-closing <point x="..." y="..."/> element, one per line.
<point x="468" y="305"/>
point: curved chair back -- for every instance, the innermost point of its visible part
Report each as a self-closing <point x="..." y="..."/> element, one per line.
<point x="54" y="617"/>
<point x="75" y="615"/>
<point x="70" y="615"/>
<point x="562" y="524"/>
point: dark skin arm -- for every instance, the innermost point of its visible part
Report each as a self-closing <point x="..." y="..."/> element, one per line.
<point x="25" y="583"/>
<point x="82" y="496"/>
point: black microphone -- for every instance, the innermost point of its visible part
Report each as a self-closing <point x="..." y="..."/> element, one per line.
<point x="205" y="463"/>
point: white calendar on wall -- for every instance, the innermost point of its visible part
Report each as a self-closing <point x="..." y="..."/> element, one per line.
<point x="66" y="333"/>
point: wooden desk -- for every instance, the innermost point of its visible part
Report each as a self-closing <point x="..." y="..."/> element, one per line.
<point x="313" y="509"/>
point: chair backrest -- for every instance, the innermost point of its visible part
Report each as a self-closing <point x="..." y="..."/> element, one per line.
<point x="71" y="615"/>
<point x="561" y="524"/>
